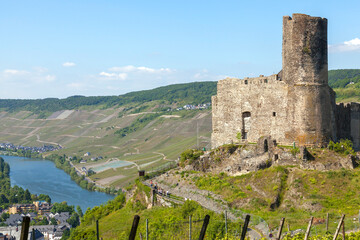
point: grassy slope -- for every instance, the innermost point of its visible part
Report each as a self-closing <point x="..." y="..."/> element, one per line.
<point x="304" y="193"/>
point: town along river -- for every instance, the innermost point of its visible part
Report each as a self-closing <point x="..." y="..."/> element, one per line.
<point x="41" y="176"/>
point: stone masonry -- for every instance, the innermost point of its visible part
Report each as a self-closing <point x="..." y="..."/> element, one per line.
<point x="295" y="105"/>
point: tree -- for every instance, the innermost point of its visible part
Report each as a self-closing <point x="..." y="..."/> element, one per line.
<point x="62" y="207"/>
<point x="4" y="216"/>
<point x="3" y="199"/>
<point x="53" y="221"/>
<point x="43" y="221"/>
<point x="27" y="195"/>
<point x="79" y="211"/>
<point x="74" y="220"/>
<point x="45" y="198"/>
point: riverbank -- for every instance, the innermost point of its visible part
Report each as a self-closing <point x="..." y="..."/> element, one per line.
<point x="42" y="176"/>
<point x="63" y="163"/>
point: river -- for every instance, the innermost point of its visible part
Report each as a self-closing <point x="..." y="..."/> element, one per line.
<point x="41" y="176"/>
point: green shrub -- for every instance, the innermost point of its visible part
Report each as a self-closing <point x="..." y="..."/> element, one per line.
<point x="345" y="146"/>
<point x="189" y="156"/>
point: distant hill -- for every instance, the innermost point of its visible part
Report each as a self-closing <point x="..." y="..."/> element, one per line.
<point x="342" y="77"/>
<point x="188" y="93"/>
<point x="346" y="84"/>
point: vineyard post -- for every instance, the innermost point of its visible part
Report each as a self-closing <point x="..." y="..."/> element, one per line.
<point x="190" y="227"/>
<point x="134" y="227"/>
<point x="97" y="230"/>
<point x="343" y="230"/>
<point x="204" y="226"/>
<point x="280" y="228"/>
<point x="226" y="228"/>
<point x="308" y="229"/>
<point x="25" y="228"/>
<point x="147" y="229"/>
<point x="327" y="222"/>
<point x="244" y="230"/>
<point x="338" y="227"/>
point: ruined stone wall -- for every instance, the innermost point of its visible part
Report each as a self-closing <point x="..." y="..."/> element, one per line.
<point x="343" y="121"/>
<point x="253" y="107"/>
<point x="348" y="123"/>
<point x="355" y="124"/>
<point x="296" y="105"/>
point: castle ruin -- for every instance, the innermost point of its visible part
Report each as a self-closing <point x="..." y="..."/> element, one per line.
<point x="295" y="105"/>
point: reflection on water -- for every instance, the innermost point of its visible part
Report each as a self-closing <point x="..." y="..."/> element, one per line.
<point x="41" y="176"/>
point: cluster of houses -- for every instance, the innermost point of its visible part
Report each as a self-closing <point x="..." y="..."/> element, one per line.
<point x="34" y="211"/>
<point x="193" y="107"/>
<point x="12" y="147"/>
<point x="87" y="154"/>
<point x="40" y="207"/>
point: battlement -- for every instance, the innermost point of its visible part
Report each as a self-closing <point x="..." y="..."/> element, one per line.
<point x="301" y="16"/>
<point x="261" y="80"/>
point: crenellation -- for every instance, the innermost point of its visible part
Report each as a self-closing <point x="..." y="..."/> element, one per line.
<point x="295" y="105"/>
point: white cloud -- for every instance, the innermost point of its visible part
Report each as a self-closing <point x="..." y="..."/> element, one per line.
<point x="50" y="78"/>
<point x="347" y="46"/>
<point x="37" y="75"/>
<point x="15" y="72"/>
<point x="131" y="68"/>
<point x="75" y="85"/>
<point x="68" y="64"/>
<point x="205" y="75"/>
<point x="120" y="76"/>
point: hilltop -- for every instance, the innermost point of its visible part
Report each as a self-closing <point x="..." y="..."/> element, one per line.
<point x="178" y="94"/>
<point x="114" y="136"/>
<point x="346" y="84"/>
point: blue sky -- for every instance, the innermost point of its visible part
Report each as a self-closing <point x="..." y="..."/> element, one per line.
<point x="93" y="47"/>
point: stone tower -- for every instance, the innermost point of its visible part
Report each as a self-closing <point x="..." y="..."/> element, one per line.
<point x="311" y="102"/>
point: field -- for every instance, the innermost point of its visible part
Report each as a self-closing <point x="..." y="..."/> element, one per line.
<point x="155" y="139"/>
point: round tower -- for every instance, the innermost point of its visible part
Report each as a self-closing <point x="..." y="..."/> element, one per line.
<point x="305" y="55"/>
<point x="305" y="70"/>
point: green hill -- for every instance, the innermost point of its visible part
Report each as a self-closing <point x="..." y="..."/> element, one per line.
<point x="187" y="93"/>
<point x="346" y="84"/>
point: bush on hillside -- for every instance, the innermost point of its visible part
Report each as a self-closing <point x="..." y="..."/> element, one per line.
<point x="345" y="146"/>
<point x="189" y="156"/>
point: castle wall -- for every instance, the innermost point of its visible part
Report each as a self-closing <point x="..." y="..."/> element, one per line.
<point x="348" y="123"/>
<point x="253" y="107"/>
<point x="355" y="125"/>
<point x="297" y="105"/>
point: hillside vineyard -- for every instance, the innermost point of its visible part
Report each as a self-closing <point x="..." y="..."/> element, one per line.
<point x="295" y="105"/>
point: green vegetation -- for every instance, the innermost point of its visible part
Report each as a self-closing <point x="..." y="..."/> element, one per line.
<point x="346" y="84"/>
<point x="138" y="124"/>
<point x="189" y="93"/>
<point x="342" y="77"/>
<point x="345" y="146"/>
<point x="10" y="195"/>
<point x="189" y="156"/>
<point x="115" y="220"/>
<point x="301" y="194"/>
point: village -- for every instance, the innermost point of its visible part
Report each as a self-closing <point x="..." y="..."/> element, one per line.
<point x="45" y="224"/>
<point x="12" y="147"/>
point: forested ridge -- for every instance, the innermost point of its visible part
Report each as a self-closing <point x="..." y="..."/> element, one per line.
<point x="187" y="93"/>
<point x="346" y="83"/>
<point x="342" y="77"/>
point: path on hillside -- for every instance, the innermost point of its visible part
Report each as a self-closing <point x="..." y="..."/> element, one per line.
<point x="181" y="187"/>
